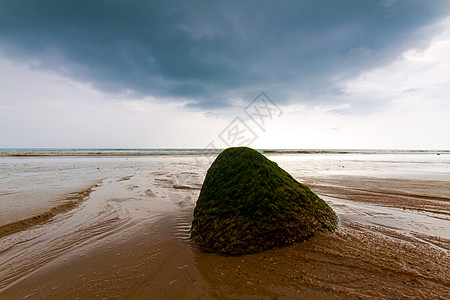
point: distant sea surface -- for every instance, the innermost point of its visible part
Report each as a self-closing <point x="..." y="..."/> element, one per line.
<point x="188" y="151"/>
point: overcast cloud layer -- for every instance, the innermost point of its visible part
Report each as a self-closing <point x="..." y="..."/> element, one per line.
<point x="209" y="52"/>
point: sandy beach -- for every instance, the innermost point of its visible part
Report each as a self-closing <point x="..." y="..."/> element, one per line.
<point x="124" y="231"/>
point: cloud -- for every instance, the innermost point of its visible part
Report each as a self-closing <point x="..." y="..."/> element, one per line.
<point x="418" y="75"/>
<point x="53" y="112"/>
<point x="205" y="53"/>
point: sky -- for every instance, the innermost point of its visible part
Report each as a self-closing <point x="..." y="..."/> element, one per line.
<point x="306" y="74"/>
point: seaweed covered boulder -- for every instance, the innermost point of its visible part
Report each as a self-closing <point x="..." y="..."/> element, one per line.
<point x="249" y="204"/>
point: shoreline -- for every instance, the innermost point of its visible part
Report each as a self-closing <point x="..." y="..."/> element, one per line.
<point x="63" y="152"/>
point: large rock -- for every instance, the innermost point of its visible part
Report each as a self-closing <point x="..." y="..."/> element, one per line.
<point x="249" y="204"/>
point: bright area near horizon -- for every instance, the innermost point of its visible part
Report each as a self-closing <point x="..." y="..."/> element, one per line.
<point x="339" y="81"/>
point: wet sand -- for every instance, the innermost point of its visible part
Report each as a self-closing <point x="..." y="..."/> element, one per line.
<point x="393" y="242"/>
<point x="152" y="262"/>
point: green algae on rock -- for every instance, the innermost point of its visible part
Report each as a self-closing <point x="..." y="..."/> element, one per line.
<point x="249" y="204"/>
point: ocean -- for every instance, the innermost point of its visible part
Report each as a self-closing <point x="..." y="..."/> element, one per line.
<point x="187" y="151"/>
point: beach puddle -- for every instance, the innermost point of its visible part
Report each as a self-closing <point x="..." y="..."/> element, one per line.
<point x="404" y="221"/>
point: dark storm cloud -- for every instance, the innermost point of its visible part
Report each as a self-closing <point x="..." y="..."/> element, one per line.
<point x="210" y="51"/>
